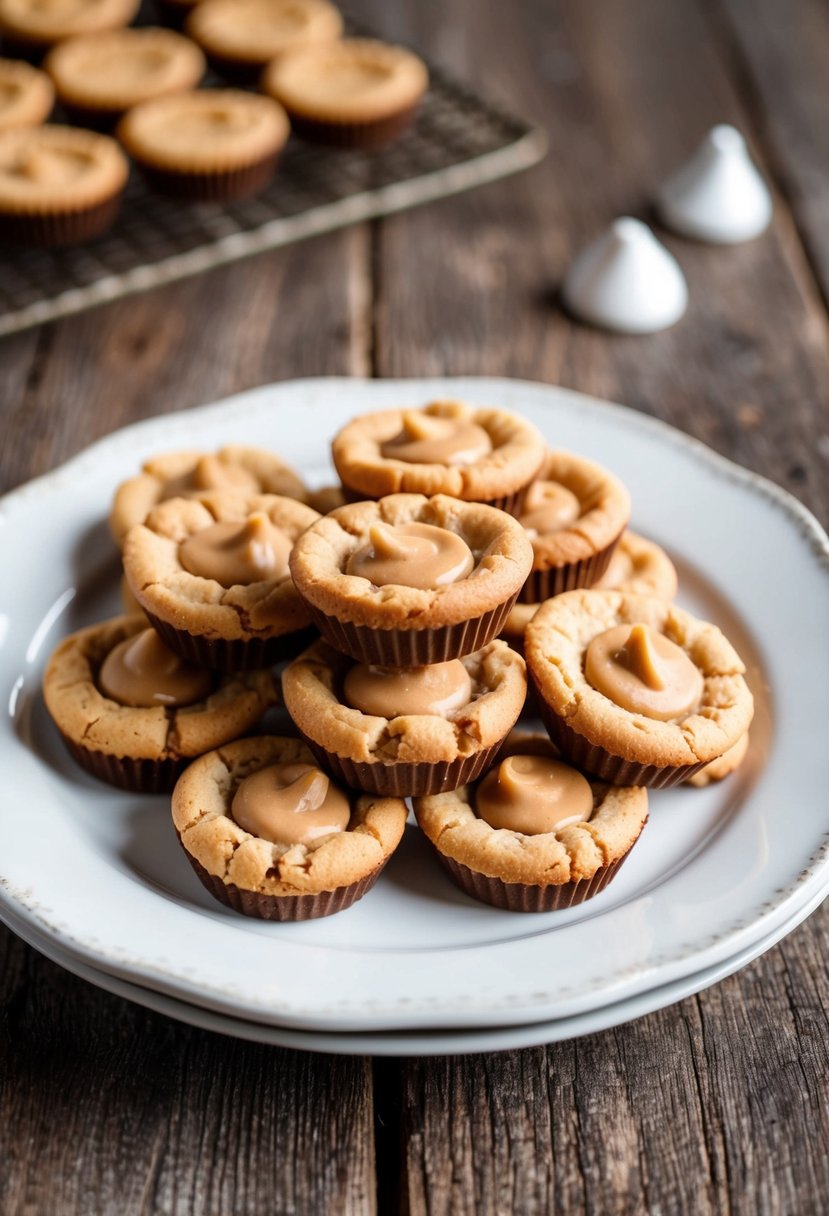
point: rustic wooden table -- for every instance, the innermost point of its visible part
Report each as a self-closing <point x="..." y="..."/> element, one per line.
<point x="718" y="1104"/>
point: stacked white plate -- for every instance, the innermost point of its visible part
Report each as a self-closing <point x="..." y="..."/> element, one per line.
<point x="94" y="877"/>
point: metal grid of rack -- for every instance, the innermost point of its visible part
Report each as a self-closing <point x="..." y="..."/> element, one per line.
<point x="457" y="142"/>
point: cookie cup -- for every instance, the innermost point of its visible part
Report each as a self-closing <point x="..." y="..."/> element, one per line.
<point x="26" y="95"/>
<point x="637" y="567"/>
<point x="278" y="882"/>
<point x="241" y="36"/>
<point x="29" y="28"/>
<point x="143" y="750"/>
<point x="162" y="477"/>
<point x="577" y="555"/>
<point x="533" y="873"/>
<point x="397" y="626"/>
<point x="406" y="754"/>
<point x="498" y="479"/>
<point x="390" y="83"/>
<point x="206" y="146"/>
<point x="236" y="628"/>
<point x="600" y="737"/>
<point x="78" y="203"/>
<point x="98" y="77"/>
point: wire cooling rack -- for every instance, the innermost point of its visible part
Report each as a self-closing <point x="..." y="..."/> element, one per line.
<point x="458" y="141"/>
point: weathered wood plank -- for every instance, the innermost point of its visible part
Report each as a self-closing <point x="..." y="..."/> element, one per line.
<point x="300" y="311"/>
<point x="717" y="1104"/>
<point x="105" y="1107"/>
<point x="625" y="92"/>
<point x="669" y="1114"/>
<point x="779" y="55"/>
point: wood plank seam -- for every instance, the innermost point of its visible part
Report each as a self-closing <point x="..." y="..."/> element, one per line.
<point x="739" y="67"/>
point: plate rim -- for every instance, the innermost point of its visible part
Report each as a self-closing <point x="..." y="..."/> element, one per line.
<point x="809" y="529"/>
<point x="415" y="1041"/>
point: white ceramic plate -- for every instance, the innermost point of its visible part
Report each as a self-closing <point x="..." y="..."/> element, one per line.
<point x="716" y="872"/>
<point x="412" y="1042"/>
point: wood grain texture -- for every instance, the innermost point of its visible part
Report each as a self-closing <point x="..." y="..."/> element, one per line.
<point x="779" y="55"/>
<point x="104" y="1107"/>
<point x="295" y="312"/>
<point x="625" y="93"/>
<point x="717" y="1105"/>
<point x="107" y="1107"/>
<point x="673" y="1113"/>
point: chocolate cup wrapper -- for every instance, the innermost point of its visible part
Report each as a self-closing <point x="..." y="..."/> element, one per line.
<point x="220" y="186"/>
<point x="283" y="907"/>
<point x="405" y="780"/>
<point x="542" y="585"/>
<point x="51" y="231"/>
<point x="511" y="503"/>
<point x="591" y="758"/>
<point x="523" y="897"/>
<point x="239" y="655"/>
<point x="411" y="647"/>
<point x="365" y="136"/>
<point x="127" y="772"/>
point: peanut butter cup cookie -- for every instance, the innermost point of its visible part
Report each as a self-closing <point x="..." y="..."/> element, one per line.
<point x="633" y="689"/>
<point x="58" y="185"/>
<point x="271" y="836"/>
<point x="534" y="834"/>
<point x="133" y="714"/>
<point x="574" y="513"/>
<point x="213" y="145"/>
<point x="99" y="76"/>
<point x="26" y="95"/>
<point x="357" y="93"/>
<point x="30" y="28"/>
<point x="408" y="580"/>
<point x="478" y="455"/>
<point x="235" y="467"/>
<point x="241" y="36"/>
<point x="405" y="731"/>
<point x="212" y="576"/>
<point x="637" y="567"/>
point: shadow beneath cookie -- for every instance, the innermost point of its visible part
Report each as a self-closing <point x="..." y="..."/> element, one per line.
<point x="96" y="564"/>
<point x="415" y="872"/>
<point x="151" y="852"/>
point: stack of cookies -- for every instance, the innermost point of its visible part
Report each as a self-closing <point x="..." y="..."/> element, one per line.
<point x="451" y="525"/>
<point x="409" y="692"/>
<point x="205" y="539"/>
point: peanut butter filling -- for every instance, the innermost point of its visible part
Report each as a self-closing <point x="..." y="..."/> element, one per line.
<point x="412" y="555"/>
<point x="238" y="553"/>
<point x="440" y="689"/>
<point x="141" y="672"/>
<point x="210" y="473"/>
<point x="425" y="439"/>
<point x="644" y="672"/>
<point x="50" y="167"/>
<point x="533" y="794"/>
<point x="290" y="803"/>
<point x="549" y="507"/>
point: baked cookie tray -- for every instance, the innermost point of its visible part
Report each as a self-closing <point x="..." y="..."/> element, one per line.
<point x="458" y="141"/>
